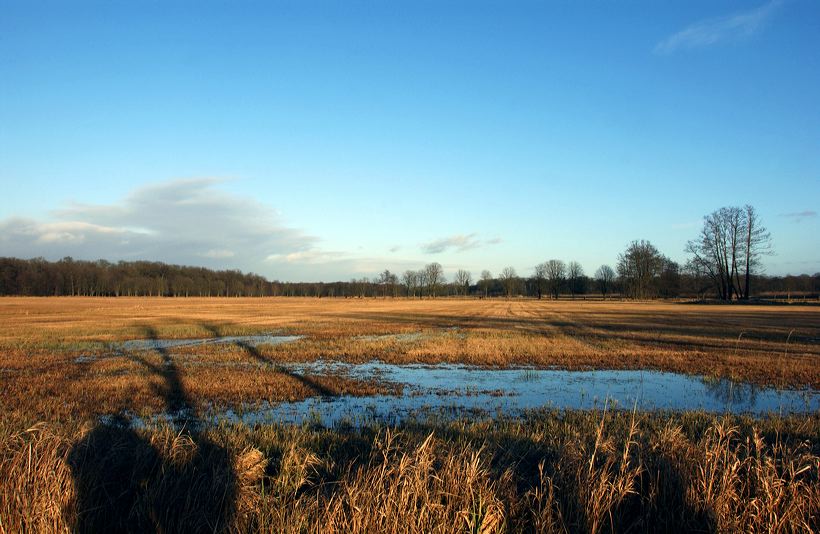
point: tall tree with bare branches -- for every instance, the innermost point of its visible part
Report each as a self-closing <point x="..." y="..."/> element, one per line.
<point x="486" y="281"/>
<point x="509" y="278"/>
<point x="462" y="281"/>
<point x="556" y="274"/>
<point x="575" y="274"/>
<point x="729" y="248"/>
<point x="604" y="277"/>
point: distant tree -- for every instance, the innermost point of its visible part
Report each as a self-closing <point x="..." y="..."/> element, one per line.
<point x="486" y="281"/>
<point x="638" y="266"/>
<point x="433" y="278"/>
<point x="575" y="278"/>
<point x="509" y="279"/>
<point x="410" y="281"/>
<point x="462" y="281"/>
<point x="669" y="280"/>
<point x="540" y="278"/>
<point x="604" y="278"/>
<point x="556" y="274"/>
<point x="389" y="282"/>
<point x="729" y="248"/>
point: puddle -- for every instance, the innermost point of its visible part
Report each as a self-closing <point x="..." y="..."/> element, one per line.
<point x="161" y="344"/>
<point x="453" y="391"/>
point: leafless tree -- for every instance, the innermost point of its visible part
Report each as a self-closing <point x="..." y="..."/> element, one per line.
<point x="540" y="278"/>
<point x="604" y="277"/>
<point x="433" y="277"/>
<point x="388" y="281"/>
<point x="410" y="279"/>
<point x="509" y="278"/>
<point x="556" y="274"/>
<point x="669" y="279"/>
<point x="758" y="242"/>
<point x="486" y="281"/>
<point x="638" y="266"/>
<point x="728" y="249"/>
<point x="575" y="274"/>
<point x="462" y="281"/>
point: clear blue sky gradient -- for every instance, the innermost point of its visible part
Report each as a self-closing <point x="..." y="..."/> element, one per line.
<point x="535" y="130"/>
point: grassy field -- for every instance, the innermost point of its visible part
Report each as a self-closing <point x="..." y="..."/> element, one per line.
<point x="554" y="471"/>
<point x="56" y="353"/>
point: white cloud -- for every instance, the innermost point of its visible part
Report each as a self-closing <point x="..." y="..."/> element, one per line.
<point x="711" y="31"/>
<point x="195" y="222"/>
<point x="183" y="221"/>
<point x="458" y="242"/>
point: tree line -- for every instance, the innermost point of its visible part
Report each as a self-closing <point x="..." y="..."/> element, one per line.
<point x="724" y="263"/>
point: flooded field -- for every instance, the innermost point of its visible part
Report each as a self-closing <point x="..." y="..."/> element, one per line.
<point x="456" y="391"/>
<point x="310" y="408"/>
<point x="446" y="392"/>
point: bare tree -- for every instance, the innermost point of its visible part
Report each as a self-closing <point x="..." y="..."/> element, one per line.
<point x="758" y="243"/>
<point x="575" y="275"/>
<point x="556" y="274"/>
<point x="669" y="279"/>
<point x="433" y="277"/>
<point x="388" y="282"/>
<point x="638" y="266"/>
<point x="604" y="277"/>
<point x="540" y="278"/>
<point x="486" y="281"/>
<point x="509" y="278"/>
<point x="728" y="249"/>
<point x="410" y="279"/>
<point x="462" y="281"/>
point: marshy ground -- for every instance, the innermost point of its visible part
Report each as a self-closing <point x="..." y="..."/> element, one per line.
<point x="78" y="372"/>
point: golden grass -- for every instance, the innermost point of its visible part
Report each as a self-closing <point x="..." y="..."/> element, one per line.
<point x="41" y="339"/>
<point x="555" y="472"/>
<point x="559" y="472"/>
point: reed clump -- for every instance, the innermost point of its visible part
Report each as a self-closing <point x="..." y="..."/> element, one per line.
<point x="554" y="472"/>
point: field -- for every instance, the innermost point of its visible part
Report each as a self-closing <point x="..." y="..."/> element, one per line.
<point x="65" y="362"/>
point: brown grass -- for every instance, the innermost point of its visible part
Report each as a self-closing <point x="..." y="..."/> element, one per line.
<point x="559" y="472"/>
<point x="555" y="472"/>
<point x="41" y="338"/>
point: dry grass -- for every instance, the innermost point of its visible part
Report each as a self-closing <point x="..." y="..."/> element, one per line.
<point x="559" y="472"/>
<point x="555" y="472"/>
<point x="41" y="338"/>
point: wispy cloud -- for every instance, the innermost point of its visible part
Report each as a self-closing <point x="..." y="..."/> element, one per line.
<point x="182" y="221"/>
<point x="714" y="30"/>
<point x="458" y="242"/>
<point x="195" y="222"/>
<point x="798" y="216"/>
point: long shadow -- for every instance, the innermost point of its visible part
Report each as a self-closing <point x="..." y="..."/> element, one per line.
<point x="127" y="482"/>
<point x="254" y="352"/>
<point x="315" y="386"/>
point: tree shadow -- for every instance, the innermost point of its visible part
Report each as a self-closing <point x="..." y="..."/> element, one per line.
<point x="254" y="352"/>
<point x="177" y="482"/>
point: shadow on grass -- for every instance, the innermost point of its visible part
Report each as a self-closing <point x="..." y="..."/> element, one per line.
<point x="126" y="482"/>
<point x="252" y="351"/>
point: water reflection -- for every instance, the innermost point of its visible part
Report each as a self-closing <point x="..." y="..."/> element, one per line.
<point x="452" y="391"/>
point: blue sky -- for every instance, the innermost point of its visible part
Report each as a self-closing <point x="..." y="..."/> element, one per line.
<point x="326" y="140"/>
